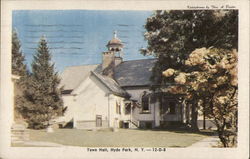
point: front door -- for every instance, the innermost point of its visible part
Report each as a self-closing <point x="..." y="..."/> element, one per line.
<point x="98" y="120"/>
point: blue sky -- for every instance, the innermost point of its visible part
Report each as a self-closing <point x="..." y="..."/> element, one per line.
<point x="78" y="37"/>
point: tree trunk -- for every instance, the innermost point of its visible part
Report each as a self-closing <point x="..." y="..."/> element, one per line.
<point x="223" y="138"/>
<point x="194" y="117"/>
<point x="204" y="119"/>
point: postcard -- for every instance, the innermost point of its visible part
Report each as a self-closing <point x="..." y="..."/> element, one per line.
<point x="124" y="79"/>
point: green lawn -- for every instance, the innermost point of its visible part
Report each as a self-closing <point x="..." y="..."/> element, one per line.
<point x="122" y="138"/>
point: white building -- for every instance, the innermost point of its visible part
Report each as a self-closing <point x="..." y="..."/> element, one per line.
<point x="117" y="93"/>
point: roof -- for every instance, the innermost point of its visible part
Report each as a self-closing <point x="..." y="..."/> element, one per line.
<point x="128" y="73"/>
<point x="115" y="41"/>
<point x="111" y="84"/>
<point x="134" y="72"/>
<point x="72" y="76"/>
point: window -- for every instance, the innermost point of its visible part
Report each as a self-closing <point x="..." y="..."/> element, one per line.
<point x="171" y="108"/>
<point x="127" y="108"/>
<point x="145" y="102"/>
<point x="118" y="108"/>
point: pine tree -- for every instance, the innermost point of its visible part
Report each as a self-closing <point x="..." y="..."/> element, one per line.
<point x="42" y="101"/>
<point x="18" y="66"/>
<point x="19" y="69"/>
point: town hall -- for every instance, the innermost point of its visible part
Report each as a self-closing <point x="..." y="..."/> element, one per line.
<point x="117" y="94"/>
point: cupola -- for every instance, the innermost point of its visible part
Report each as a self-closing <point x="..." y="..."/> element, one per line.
<point x="115" y="44"/>
<point x="112" y="57"/>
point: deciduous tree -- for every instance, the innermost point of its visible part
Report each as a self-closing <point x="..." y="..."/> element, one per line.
<point x="212" y="80"/>
<point x="173" y="35"/>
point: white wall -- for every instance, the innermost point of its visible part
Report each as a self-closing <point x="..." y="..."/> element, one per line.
<point x="137" y="114"/>
<point x="68" y="101"/>
<point x="114" y="116"/>
<point x="93" y="98"/>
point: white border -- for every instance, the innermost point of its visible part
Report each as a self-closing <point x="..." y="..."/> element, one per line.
<point x="6" y="113"/>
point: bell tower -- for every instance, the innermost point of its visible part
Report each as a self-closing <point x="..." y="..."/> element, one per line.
<point x="112" y="57"/>
<point x="115" y="45"/>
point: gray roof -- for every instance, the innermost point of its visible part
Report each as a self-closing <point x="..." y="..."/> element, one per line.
<point x="128" y="73"/>
<point x="134" y="73"/>
<point x="72" y="76"/>
<point x="111" y="84"/>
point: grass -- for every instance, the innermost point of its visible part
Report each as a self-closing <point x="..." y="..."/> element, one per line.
<point x="122" y="138"/>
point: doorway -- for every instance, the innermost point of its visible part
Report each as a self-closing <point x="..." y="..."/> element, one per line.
<point x="98" y="121"/>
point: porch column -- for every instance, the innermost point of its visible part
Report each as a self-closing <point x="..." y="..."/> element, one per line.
<point x="131" y="113"/>
<point x="184" y="112"/>
<point x="157" y="113"/>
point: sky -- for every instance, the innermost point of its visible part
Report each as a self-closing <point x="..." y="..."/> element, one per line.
<point x="78" y="37"/>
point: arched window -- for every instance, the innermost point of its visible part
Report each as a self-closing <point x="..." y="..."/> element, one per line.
<point x="145" y="102"/>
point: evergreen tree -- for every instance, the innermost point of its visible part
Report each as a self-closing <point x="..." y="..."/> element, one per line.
<point x="42" y="99"/>
<point x="19" y="69"/>
<point x="18" y="66"/>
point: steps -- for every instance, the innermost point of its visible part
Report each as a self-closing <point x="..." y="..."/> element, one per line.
<point x="19" y="133"/>
<point x="134" y="123"/>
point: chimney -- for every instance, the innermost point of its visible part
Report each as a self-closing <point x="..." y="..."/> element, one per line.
<point x="118" y="60"/>
<point x="108" y="63"/>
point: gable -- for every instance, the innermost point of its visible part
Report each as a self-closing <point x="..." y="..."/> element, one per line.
<point x="96" y="82"/>
<point x="90" y="86"/>
<point x="72" y="76"/>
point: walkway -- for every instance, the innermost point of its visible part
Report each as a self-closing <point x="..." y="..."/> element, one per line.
<point x="207" y="142"/>
<point x="41" y="144"/>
